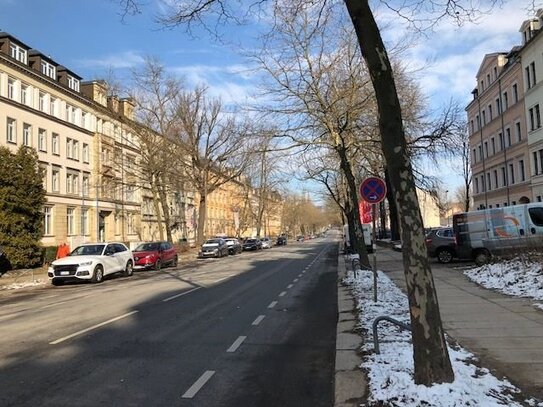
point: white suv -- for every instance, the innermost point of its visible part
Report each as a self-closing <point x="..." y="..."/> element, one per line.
<point x="92" y="261"/>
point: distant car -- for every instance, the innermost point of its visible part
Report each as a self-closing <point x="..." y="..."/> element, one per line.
<point x="266" y="243"/>
<point x="281" y="241"/>
<point x="441" y="243"/>
<point x="154" y="255"/>
<point x="252" y="244"/>
<point x="92" y="262"/>
<point x="299" y="238"/>
<point x="233" y="244"/>
<point x="214" y="248"/>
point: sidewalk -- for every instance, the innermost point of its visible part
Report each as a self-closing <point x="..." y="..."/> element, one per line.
<point x="504" y="332"/>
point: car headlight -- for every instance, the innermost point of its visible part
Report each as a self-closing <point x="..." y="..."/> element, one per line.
<point x="215" y="250"/>
<point x="86" y="263"/>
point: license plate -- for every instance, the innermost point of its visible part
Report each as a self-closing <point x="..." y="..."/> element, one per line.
<point x="64" y="273"/>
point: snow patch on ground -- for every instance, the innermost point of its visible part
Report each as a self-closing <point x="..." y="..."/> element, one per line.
<point x="390" y="374"/>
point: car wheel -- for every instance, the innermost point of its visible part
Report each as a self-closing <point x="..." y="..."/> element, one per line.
<point x="129" y="269"/>
<point x="158" y="264"/>
<point x="57" y="281"/>
<point x="175" y="261"/>
<point x="98" y="275"/>
<point x="482" y="257"/>
<point x="444" y="256"/>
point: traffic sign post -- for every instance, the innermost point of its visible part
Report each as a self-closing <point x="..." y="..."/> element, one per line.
<point x="373" y="190"/>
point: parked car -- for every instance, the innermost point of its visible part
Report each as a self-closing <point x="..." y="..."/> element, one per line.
<point x="234" y="246"/>
<point x="281" y="241"/>
<point x="441" y="244"/>
<point x="252" y="244"/>
<point x="300" y="238"/>
<point x="266" y="243"/>
<point x="92" y="262"/>
<point x="213" y="248"/>
<point x="154" y="255"/>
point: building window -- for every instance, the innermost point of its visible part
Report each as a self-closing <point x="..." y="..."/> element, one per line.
<point x="521" y="170"/>
<point x="84" y="123"/>
<point x="527" y="77"/>
<point x="17" y="52"/>
<point x="73" y="83"/>
<point x="54" y="143"/>
<point x="490" y="113"/>
<point x="505" y="101"/>
<point x="478" y="121"/>
<point x="84" y="222"/>
<point x="25" y="94"/>
<point x="48" y="69"/>
<point x="486" y="149"/>
<point x="515" y="93"/>
<point x="498" y="109"/>
<point x="474" y="155"/>
<point x="472" y="126"/>
<point x="130" y="224"/>
<point x="42" y="140"/>
<point x="11" y="130"/>
<point x="476" y="185"/>
<point x="76" y="150"/>
<point x="496" y="183"/>
<point x="27" y="135"/>
<point x="41" y="102"/>
<point x="53" y="107"/>
<point x="493" y="144"/>
<point x="508" y="137"/>
<point x="70" y="221"/>
<point x="488" y="183"/>
<point x="69" y="184"/>
<point x="535" y="118"/>
<point x="480" y="152"/>
<point x="519" y="135"/>
<point x="484" y="117"/>
<point x="512" y="173"/>
<point x="504" y="177"/>
<point x="55" y="178"/>
<point x="85" y="153"/>
<point x="500" y="138"/>
<point x="69" y="149"/>
<point x="532" y="72"/>
<point x="47" y="220"/>
<point x="85" y="185"/>
<point x="11" y="88"/>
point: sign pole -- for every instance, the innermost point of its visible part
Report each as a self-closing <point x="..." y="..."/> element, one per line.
<point x="373" y="246"/>
<point x="373" y="190"/>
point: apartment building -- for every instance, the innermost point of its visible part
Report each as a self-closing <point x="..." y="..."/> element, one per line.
<point x="44" y="105"/>
<point x="532" y="68"/>
<point x="497" y="133"/>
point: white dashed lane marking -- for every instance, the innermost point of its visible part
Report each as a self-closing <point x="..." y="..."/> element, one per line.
<point x="272" y="304"/>
<point x="195" y="388"/>
<point x="109" y="321"/>
<point x="283" y="294"/>
<point x="290" y="286"/>
<point x="236" y="344"/>
<point x="259" y="319"/>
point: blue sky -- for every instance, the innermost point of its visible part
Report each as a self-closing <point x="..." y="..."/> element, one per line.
<point x="88" y="37"/>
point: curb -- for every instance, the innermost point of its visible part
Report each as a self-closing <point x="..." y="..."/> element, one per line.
<point x="350" y="381"/>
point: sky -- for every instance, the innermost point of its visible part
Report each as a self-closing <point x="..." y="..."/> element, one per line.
<point x="91" y="38"/>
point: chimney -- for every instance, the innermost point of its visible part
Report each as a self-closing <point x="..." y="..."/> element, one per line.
<point x="126" y="108"/>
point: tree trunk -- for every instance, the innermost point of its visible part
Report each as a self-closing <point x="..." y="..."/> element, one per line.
<point x="392" y="210"/>
<point x="355" y="226"/>
<point x="430" y="353"/>
<point x="202" y="218"/>
<point x="165" y="209"/>
<point x="157" y="209"/>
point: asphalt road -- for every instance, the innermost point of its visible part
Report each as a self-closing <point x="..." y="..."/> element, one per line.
<point x="257" y="329"/>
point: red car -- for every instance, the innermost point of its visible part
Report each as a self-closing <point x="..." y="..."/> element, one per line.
<point x="154" y="255"/>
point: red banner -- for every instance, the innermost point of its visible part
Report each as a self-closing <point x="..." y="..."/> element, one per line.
<point x="365" y="211"/>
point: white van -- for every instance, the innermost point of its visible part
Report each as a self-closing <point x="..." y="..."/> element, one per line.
<point x="366" y="229"/>
<point x="483" y="233"/>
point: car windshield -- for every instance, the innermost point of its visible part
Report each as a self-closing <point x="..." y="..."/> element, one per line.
<point x="147" y="247"/>
<point x="88" y="250"/>
<point x="212" y="241"/>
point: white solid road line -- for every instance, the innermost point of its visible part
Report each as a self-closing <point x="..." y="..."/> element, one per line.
<point x="283" y="294"/>
<point x="180" y="295"/>
<point x="272" y="304"/>
<point x="236" y="344"/>
<point x="198" y="384"/>
<point x="259" y="319"/>
<point x="109" y="321"/>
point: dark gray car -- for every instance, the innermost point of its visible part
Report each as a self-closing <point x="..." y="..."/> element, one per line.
<point x="441" y="244"/>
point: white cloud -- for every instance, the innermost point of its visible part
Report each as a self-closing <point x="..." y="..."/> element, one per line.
<point x="120" y="60"/>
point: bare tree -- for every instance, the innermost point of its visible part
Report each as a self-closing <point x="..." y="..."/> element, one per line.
<point x="216" y="146"/>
